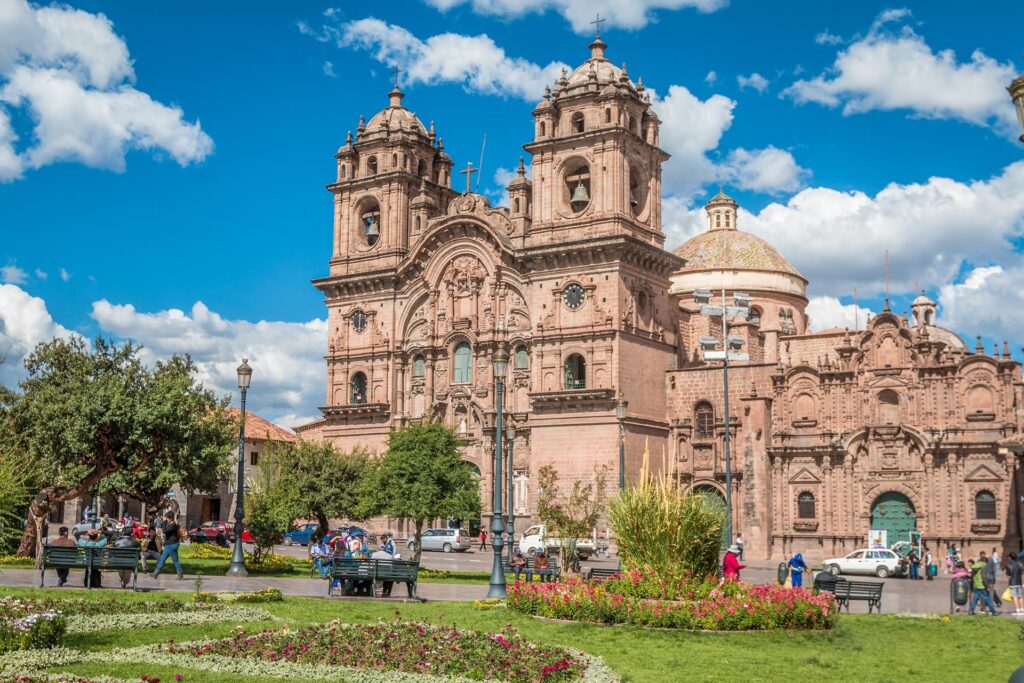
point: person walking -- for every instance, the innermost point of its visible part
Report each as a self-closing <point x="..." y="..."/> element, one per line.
<point x="980" y="592"/>
<point x="483" y="540"/>
<point x="990" y="574"/>
<point x="62" y="541"/>
<point x="125" y="541"/>
<point x="739" y="544"/>
<point x="928" y="562"/>
<point x="172" y="539"/>
<point x="1014" y="569"/>
<point x="797" y="567"/>
<point x="730" y="564"/>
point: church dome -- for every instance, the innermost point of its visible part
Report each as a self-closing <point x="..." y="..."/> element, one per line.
<point x="732" y="250"/>
<point x="393" y="118"/>
<point x="598" y="71"/>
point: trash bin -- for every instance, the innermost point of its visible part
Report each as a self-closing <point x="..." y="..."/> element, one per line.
<point x="959" y="592"/>
<point x="825" y="581"/>
<point x="782" y="573"/>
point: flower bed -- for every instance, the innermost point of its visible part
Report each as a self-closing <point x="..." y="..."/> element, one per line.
<point x="398" y="646"/>
<point x="15" y="607"/>
<point x="228" y="597"/>
<point x="688" y="604"/>
<point x="31" y="630"/>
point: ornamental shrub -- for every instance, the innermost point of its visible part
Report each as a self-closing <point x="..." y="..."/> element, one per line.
<point x="662" y="531"/>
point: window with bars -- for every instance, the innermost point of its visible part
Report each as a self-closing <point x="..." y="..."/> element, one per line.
<point x="805" y="506"/>
<point x="984" y="505"/>
<point x="704" y="419"/>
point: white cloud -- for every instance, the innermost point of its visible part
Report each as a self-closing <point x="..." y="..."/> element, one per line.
<point x="24" y="323"/>
<point x="826" y="312"/>
<point x="826" y="38"/>
<point x="289" y="374"/>
<point x="691" y="127"/>
<point x="989" y="300"/>
<point x="627" y="14"/>
<point x="474" y="61"/>
<point x="72" y="76"/>
<point x="64" y="275"/>
<point x="890" y="70"/>
<point x="680" y="221"/>
<point x="771" y="170"/>
<point x="754" y="80"/>
<point x="838" y="239"/>
<point x="13" y="275"/>
<point x="41" y="274"/>
<point x="329" y="69"/>
<point x="711" y="78"/>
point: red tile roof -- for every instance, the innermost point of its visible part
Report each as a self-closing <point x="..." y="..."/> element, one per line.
<point x="260" y="429"/>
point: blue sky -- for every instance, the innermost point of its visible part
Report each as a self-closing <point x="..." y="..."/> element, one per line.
<point x="153" y="156"/>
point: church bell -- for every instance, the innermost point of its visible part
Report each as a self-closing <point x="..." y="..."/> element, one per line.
<point x="580" y="194"/>
<point x="372" y="230"/>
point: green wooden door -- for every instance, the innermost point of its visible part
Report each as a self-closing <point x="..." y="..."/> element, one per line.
<point x="895" y="513"/>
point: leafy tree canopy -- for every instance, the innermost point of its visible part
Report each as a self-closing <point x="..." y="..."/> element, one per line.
<point x="571" y="515"/>
<point x="422" y="477"/>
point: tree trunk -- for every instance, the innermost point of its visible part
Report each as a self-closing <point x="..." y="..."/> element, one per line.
<point x="321" y="519"/>
<point x="32" y="540"/>
<point x="418" y="540"/>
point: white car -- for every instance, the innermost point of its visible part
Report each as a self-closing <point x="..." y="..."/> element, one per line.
<point x="535" y="538"/>
<point x="877" y="561"/>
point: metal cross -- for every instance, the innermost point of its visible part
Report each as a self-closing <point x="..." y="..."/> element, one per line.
<point x="396" y="70"/>
<point x="597" y="23"/>
<point x="468" y="172"/>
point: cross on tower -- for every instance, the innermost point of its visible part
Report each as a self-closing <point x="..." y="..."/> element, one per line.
<point x="468" y="172"/>
<point x="396" y="70"/>
<point x="597" y="24"/>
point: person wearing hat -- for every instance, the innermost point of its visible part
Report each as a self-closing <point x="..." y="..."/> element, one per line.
<point x="730" y="565"/>
<point x="93" y="539"/>
<point x="797" y="567"/>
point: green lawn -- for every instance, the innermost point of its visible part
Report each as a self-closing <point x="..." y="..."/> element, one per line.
<point x="862" y="648"/>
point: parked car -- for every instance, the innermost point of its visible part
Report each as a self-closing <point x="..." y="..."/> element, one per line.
<point x="208" y="532"/>
<point x="535" y="538"/>
<point x="307" y="532"/>
<point x="878" y="561"/>
<point x="445" y="540"/>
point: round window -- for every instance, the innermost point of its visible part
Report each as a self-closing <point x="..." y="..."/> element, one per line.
<point x="573" y="295"/>
<point x="359" y="321"/>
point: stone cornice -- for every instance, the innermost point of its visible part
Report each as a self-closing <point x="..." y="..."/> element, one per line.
<point x="370" y="409"/>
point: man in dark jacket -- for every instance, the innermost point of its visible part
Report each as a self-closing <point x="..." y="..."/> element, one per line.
<point x="62" y="541"/>
<point x="126" y="541"/>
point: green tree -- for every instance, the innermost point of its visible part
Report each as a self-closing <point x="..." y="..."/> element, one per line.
<point x="99" y="418"/>
<point x="323" y="482"/>
<point x="269" y="507"/>
<point x="573" y="515"/>
<point x="422" y="477"/>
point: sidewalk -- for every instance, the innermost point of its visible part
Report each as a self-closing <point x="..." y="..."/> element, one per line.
<point x="313" y="588"/>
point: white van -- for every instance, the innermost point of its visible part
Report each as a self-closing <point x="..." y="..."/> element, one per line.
<point x="536" y="538"/>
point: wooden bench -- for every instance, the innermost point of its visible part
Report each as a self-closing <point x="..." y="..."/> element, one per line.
<point x="374" y="572"/>
<point x="529" y="569"/>
<point x="868" y="591"/>
<point x="602" y="573"/>
<point x="88" y="559"/>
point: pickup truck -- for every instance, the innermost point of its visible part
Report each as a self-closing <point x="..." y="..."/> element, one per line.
<point x="535" y="538"/>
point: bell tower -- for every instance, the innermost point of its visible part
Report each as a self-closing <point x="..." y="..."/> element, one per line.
<point x="596" y="159"/>
<point x="391" y="178"/>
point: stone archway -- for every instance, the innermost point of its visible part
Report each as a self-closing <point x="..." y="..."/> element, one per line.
<point x="894" y="512"/>
<point x="714" y="494"/>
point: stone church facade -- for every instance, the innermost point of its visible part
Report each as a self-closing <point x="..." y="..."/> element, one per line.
<point x="573" y="280"/>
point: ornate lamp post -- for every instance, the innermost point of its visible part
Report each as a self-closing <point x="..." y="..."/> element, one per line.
<point x="497" y="589"/>
<point x="237" y="567"/>
<point x="511" y="431"/>
<point x="1016" y="91"/>
<point x="620" y="413"/>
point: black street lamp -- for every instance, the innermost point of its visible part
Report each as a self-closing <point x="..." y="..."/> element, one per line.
<point x="511" y="431"/>
<point x="620" y="413"/>
<point x="497" y="589"/>
<point x="237" y="567"/>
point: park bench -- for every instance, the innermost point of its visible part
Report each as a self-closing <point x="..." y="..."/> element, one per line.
<point x="602" y="573"/>
<point x="529" y="570"/>
<point x="374" y="572"/>
<point x="88" y="559"/>
<point x="868" y="591"/>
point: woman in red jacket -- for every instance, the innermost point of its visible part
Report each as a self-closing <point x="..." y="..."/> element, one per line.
<point x="730" y="565"/>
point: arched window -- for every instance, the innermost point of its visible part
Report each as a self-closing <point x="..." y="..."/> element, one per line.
<point x="608" y="115"/>
<point x="370" y="217"/>
<point x="575" y="372"/>
<point x="462" y="372"/>
<point x="577" y="187"/>
<point x="359" y="388"/>
<point x="418" y="364"/>
<point x="805" y="505"/>
<point x="516" y="205"/>
<point x="984" y="505"/>
<point x="577" y="122"/>
<point x="804" y="407"/>
<point x="371" y="166"/>
<point x="704" y="420"/>
<point x="888" y="407"/>
<point x="344" y="171"/>
<point x="522" y="358"/>
<point x="421" y="169"/>
<point x="754" y="316"/>
<point x="543" y="129"/>
<point x="394" y="161"/>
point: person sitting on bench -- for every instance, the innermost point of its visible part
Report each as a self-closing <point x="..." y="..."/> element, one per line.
<point x="126" y="541"/>
<point x="93" y="539"/>
<point x="517" y="563"/>
<point x="62" y="541"/>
